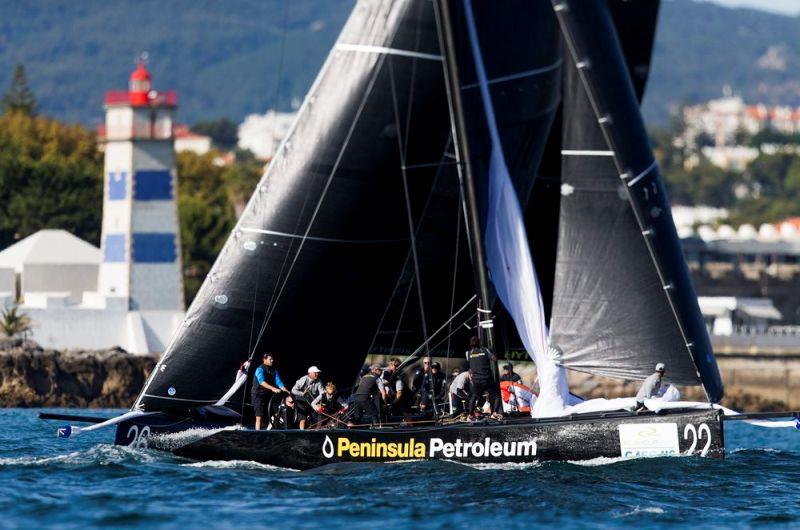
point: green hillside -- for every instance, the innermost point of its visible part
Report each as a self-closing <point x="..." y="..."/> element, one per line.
<point x="224" y="57"/>
<point x="701" y="47"/>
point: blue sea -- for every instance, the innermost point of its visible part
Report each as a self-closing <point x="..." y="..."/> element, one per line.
<point x="46" y="482"/>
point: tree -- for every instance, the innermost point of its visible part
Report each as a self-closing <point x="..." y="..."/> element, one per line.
<point x="206" y="215"/>
<point x="50" y="177"/>
<point x="13" y="323"/>
<point x="19" y="97"/>
<point x="223" y="132"/>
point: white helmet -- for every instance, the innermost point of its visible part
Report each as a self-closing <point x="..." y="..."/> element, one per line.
<point x="660" y="367"/>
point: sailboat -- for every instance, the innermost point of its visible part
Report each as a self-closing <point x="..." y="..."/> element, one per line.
<point x="457" y="168"/>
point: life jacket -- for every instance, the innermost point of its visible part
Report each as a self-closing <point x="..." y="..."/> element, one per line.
<point x="480" y="363"/>
<point x="368" y="386"/>
<point x="269" y="378"/>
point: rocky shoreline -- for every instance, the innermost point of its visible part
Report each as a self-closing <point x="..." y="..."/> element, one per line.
<point x="31" y="376"/>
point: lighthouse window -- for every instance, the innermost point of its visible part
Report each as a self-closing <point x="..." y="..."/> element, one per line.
<point x="140" y="86"/>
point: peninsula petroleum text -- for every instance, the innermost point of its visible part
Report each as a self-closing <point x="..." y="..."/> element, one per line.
<point x="433" y="448"/>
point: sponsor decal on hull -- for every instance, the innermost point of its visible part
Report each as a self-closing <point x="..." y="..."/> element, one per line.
<point x="646" y="440"/>
<point x="431" y="448"/>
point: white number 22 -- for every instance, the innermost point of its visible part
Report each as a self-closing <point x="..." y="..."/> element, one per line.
<point x="697" y="434"/>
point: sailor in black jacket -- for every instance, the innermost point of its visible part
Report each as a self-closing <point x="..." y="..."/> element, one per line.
<point x="481" y="364"/>
<point x="369" y="388"/>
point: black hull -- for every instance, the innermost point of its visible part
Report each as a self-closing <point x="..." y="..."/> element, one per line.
<point x="696" y="433"/>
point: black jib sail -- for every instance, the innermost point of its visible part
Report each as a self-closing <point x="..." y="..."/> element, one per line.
<point x="623" y="295"/>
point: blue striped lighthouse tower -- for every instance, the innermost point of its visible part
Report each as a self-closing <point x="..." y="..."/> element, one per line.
<point x="140" y="235"/>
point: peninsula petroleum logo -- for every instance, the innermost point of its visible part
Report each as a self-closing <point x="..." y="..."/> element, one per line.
<point x="433" y="448"/>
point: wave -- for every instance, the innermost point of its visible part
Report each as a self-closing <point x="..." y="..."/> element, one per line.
<point x="237" y="464"/>
<point x="646" y="510"/>
<point x="100" y="454"/>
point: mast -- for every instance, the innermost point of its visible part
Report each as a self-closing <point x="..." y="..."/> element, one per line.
<point x="453" y="84"/>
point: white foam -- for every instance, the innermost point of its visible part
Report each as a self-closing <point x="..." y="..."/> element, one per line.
<point x="639" y="510"/>
<point x="236" y="464"/>
<point x="174" y="440"/>
<point x="599" y="461"/>
<point x="492" y="466"/>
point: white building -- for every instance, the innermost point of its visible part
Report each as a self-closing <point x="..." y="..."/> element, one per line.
<point x="263" y="133"/>
<point x="130" y="293"/>
<point x="48" y="261"/>
<point x="727" y="315"/>
<point x="186" y="140"/>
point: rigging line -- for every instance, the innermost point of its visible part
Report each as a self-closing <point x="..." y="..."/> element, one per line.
<point x="322" y="239"/>
<point x="408" y="254"/>
<point x="384" y="50"/>
<point x="559" y="8"/>
<point x="455" y="273"/>
<point x="282" y="56"/>
<point x="518" y="75"/>
<point x="325" y="189"/>
<point x="409" y="214"/>
<point x="412" y="356"/>
<point x="411" y="86"/>
<point x="402" y="314"/>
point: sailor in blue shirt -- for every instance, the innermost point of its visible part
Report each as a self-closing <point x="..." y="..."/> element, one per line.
<point x="266" y="383"/>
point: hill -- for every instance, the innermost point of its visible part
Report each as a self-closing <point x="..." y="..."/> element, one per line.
<point x="701" y="47"/>
<point x="225" y="57"/>
<point x="222" y="57"/>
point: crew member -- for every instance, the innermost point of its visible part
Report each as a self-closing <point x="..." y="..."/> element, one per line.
<point x="460" y="390"/>
<point x="509" y="374"/>
<point x="481" y="362"/>
<point x="307" y="389"/>
<point x="650" y="387"/>
<point x="419" y="377"/>
<point x="329" y="404"/>
<point x="289" y="417"/>
<point x="396" y="394"/>
<point x="433" y="388"/>
<point x="369" y="389"/>
<point x="266" y="383"/>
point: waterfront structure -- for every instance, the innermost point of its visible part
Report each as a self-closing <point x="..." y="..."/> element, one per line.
<point x="140" y="235"/>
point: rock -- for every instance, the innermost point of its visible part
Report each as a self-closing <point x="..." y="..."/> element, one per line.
<point x="31" y="376"/>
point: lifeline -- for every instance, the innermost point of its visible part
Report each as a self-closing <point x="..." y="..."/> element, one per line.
<point x="437" y="447"/>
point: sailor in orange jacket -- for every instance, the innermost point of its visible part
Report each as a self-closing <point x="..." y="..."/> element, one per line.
<point x="516" y="397"/>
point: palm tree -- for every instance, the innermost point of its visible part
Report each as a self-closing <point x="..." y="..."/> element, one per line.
<point x="13" y="323"/>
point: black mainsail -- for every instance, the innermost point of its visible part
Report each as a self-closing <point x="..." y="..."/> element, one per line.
<point x="324" y="241"/>
<point x="623" y="299"/>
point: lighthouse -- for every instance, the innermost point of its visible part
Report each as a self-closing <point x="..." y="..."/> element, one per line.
<point x="140" y="240"/>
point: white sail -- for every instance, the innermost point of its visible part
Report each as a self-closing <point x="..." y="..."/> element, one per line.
<point x="509" y="258"/>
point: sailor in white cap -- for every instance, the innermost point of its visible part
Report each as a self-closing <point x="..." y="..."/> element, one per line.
<point x="308" y="388"/>
<point x="650" y="387"/>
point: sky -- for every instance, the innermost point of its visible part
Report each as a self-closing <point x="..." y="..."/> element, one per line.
<point x="786" y="7"/>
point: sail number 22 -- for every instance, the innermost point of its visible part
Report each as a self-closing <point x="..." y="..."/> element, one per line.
<point x="697" y="435"/>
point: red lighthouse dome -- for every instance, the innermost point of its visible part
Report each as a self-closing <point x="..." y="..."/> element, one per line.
<point x="140" y="85"/>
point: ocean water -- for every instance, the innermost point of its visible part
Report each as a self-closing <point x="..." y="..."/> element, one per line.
<point x="89" y="483"/>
